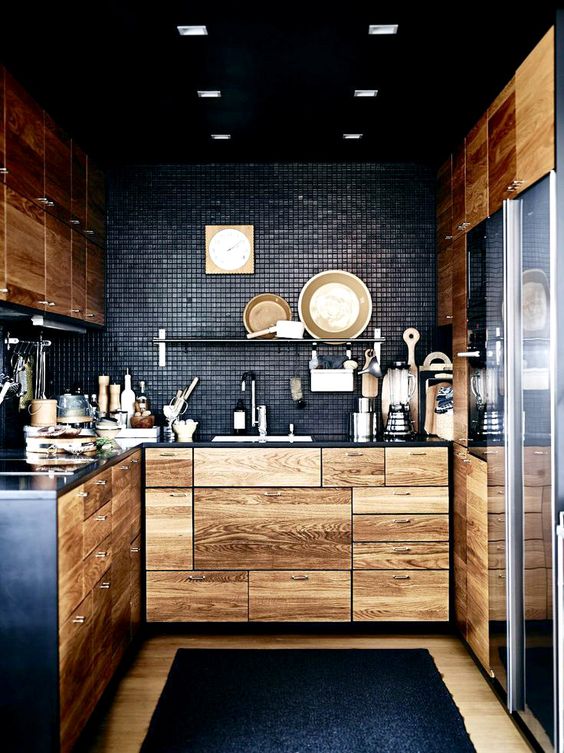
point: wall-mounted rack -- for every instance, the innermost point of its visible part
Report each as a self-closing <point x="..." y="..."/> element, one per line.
<point x="162" y="341"/>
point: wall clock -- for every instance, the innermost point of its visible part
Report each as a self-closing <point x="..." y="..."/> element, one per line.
<point x="230" y="249"/>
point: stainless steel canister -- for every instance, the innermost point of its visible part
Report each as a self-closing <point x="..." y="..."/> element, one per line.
<point x="364" y="427"/>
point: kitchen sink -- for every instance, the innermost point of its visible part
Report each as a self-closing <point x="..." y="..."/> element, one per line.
<point x="256" y="440"/>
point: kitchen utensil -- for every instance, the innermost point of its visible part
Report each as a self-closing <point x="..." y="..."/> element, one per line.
<point x="411" y="337"/>
<point x="263" y="311"/>
<point x="190" y="389"/>
<point x="365" y="405"/>
<point x="401" y="384"/>
<point x="349" y="362"/>
<point x="103" y="399"/>
<point x="43" y="412"/>
<point x="436" y="361"/>
<point x="369" y="384"/>
<point x="142" y="422"/>
<point x="107" y="433"/>
<point x="335" y="304"/>
<point x="282" y="328"/>
<point x="364" y="427"/>
<point x="184" y="430"/>
<point x="115" y="392"/>
<point x="373" y="366"/>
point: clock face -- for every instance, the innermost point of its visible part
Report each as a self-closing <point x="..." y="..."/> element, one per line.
<point x="230" y="250"/>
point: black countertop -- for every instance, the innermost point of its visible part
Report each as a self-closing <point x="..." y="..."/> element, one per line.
<point x="49" y="486"/>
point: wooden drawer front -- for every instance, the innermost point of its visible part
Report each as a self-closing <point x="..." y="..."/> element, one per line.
<point x="532" y="499"/>
<point x="164" y="467"/>
<point x="97" y="563"/>
<point x="397" y="556"/>
<point x="168" y="529"/>
<point x="424" y="499"/>
<point x="532" y="526"/>
<point x="405" y="595"/>
<point x="417" y="467"/>
<point x="123" y="476"/>
<point x="197" y="597"/>
<point x="96" y="528"/>
<point x="101" y="636"/>
<point x="536" y="466"/>
<point x="300" y="596"/>
<point x="71" y="574"/>
<point x="99" y="491"/>
<point x="400" y="528"/>
<point x="497" y="597"/>
<point x="343" y="467"/>
<point x="255" y="529"/>
<point x="496" y="555"/>
<point x="257" y="467"/>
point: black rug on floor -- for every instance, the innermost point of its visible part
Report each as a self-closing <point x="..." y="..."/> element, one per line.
<point x="305" y="701"/>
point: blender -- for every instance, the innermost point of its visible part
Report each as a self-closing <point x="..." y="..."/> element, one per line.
<point x="399" y="425"/>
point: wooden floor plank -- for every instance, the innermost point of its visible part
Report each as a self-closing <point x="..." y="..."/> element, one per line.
<point x="123" y="727"/>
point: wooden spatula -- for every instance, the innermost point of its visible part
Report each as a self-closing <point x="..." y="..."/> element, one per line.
<point x="411" y="337"/>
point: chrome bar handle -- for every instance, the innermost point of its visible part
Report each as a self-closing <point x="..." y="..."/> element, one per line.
<point x="469" y="354"/>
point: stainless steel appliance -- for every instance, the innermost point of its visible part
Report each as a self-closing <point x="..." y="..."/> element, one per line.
<point x="399" y="425"/>
<point x="365" y="421"/>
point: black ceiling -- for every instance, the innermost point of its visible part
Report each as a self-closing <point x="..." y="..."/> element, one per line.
<point x="119" y="77"/>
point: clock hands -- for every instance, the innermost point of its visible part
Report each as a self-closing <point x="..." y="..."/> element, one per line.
<point x="235" y="246"/>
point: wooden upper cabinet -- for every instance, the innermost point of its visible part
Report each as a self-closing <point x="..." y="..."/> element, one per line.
<point x="58" y="260"/>
<point x="79" y="173"/>
<point x="444" y="205"/>
<point x="2" y="125"/>
<point x="25" y="251"/>
<point x="96" y="204"/>
<point x="57" y="170"/>
<point x="460" y="340"/>
<point x="3" y="284"/>
<point x="95" y="267"/>
<point x="502" y="148"/>
<point x="444" y="286"/>
<point x="24" y="141"/>
<point x="477" y="173"/>
<point x="459" y="191"/>
<point x="534" y="106"/>
<point x="78" y="275"/>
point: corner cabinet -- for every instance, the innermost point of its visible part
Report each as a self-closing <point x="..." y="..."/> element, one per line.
<point x="50" y="190"/>
<point x="297" y="534"/>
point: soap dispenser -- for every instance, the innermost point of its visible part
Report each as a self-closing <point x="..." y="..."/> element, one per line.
<point x="239" y="418"/>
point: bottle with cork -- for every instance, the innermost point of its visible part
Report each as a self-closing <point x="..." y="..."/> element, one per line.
<point x="128" y="397"/>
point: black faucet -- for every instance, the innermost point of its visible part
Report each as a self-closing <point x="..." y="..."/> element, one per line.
<point x="252" y="376"/>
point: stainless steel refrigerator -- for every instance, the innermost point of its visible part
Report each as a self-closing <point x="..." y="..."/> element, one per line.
<point x="512" y="317"/>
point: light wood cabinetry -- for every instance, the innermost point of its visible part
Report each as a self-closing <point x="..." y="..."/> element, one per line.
<point x="426" y="466"/>
<point x="300" y="596"/>
<point x="99" y="588"/>
<point x="401" y="555"/>
<point x="269" y="529"/>
<point x="24" y="142"/>
<point x="196" y="596"/>
<point x="78" y="275"/>
<point x="400" y="595"/>
<point x="342" y="467"/>
<point x="460" y="469"/>
<point x="444" y="286"/>
<point x="476" y="186"/>
<point x="401" y="499"/>
<point x="257" y="467"/>
<point x="401" y="527"/>
<point x="168" y="467"/>
<point x="459" y="191"/>
<point x="168" y="516"/>
<point x="477" y="606"/>
<point x="460" y="342"/>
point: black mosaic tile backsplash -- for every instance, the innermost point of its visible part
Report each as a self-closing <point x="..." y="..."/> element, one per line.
<point x="375" y="220"/>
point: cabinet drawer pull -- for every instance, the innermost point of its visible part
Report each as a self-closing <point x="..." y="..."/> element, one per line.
<point x="101" y="483"/>
<point x="134" y="461"/>
<point x="354" y="454"/>
<point x="501" y="492"/>
<point x="74" y="221"/>
<point x="402" y="577"/>
<point x="167" y="454"/>
<point x="178" y="494"/>
<point x="89" y="232"/>
<point x="402" y="520"/>
<point x="101" y="555"/>
<point x="105" y="584"/>
<point x="101" y="518"/>
<point x="540" y="452"/>
<point x="401" y="549"/>
<point x="43" y="303"/>
<point x="300" y="577"/>
<point x="79" y="619"/>
<point x="196" y="577"/>
<point x="401" y="494"/>
<point x="4" y="171"/>
<point x="500" y="548"/>
<point x="75" y="311"/>
<point x="135" y="549"/>
<point x="502" y="576"/>
<point x="415" y="452"/>
<point x="82" y="494"/>
<point x="4" y="290"/>
<point x="124" y="467"/>
<point x="90" y="316"/>
<point x="449" y="316"/>
<point x="272" y="494"/>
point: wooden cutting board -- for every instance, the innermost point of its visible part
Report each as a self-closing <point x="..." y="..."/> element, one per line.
<point x="369" y="386"/>
<point x="411" y="337"/>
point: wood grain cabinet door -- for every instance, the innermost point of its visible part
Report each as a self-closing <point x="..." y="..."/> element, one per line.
<point x="135" y="575"/>
<point x="393" y="555"/>
<point x="79" y="178"/>
<point x="58" y="266"/>
<point x="168" y="467"/>
<point x="70" y="548"/>
<point x="168" y="518"/>
<point x="25" y="251"/>
<point x="400" y="527"/>
<point x="534" y="113"/>
<point x="57" y="170"/>
<point x="417" y="467"/>
<point x="444" y="286"/>
<point x="459" y="224"/>
<point x="197" y="596"/>
<point x="502" y="148"/>
<point x="444" y="205"/>
<point x="24" y="142"/>
<point x="266" y="466"/>
<point x="96" y="205"/>
<point x="78" y="275"/>
<point x="300" y="596"/>
<point x="401" y="595"/>
<point x="477" y="611"/>
<point x="101" y="637"/>
<point x="254" y="529"/>
<point x="401" y="500"/>
<point x="353" y="467"/>
<point x="95" y="284"/>
<point x="477" y="173"/>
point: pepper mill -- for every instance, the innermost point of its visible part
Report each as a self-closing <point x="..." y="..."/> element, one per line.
<point x="115" y="392"/>
<point x="103" y="383"/>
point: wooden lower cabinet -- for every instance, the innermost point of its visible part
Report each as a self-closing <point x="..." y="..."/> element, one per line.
<point x="168" y="516"/>
<point x="253" y="466"/>
<point x="401" y="595"/>
<point x="477" y="576"/>
<point x="300" y="596"/>
<point x="401" y="556"/>
<point x="407" y="527"/>
<point x="420" y="466"/>
<point x="197" y="596"/>
<point x="342" y="467"/>
<point x="168" y="468"/>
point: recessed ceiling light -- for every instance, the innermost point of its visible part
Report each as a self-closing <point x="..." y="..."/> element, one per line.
<point x="383" y="29"/>
<point x="192" y="31"/>
<point x="352" y="136"/>
<point x="221" y="136"/>
<point x="365" y="92"/>
<point x="208" y="93"/>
